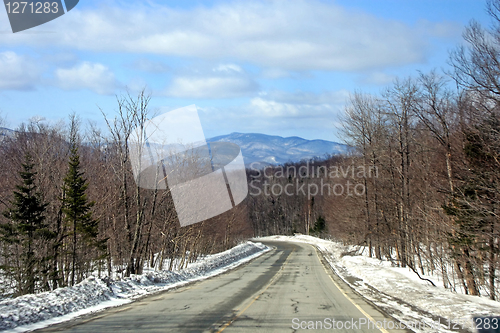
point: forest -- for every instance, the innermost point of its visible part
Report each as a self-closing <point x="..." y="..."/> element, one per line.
<point x="420" y="187"/>
<point x="432" y="201"/>
<point x="71" y="208"/>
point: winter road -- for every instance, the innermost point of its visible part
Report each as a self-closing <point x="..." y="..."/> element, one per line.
<point x="289" y="289"/>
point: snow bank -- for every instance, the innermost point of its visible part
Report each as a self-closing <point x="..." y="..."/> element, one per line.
<point x="399" y="291"/>
<point x="36" y="311"/>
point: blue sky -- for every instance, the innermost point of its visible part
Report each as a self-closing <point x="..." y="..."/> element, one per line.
<point x="280" y="67"/>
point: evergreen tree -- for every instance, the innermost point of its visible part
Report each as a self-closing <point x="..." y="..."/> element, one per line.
<point x="26" y="225"/>
<point x="476" y="201"/>
<point x="77" y="211"/>
<point x="319" y="226"/>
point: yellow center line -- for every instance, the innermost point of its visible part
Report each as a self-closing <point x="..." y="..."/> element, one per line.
<point x="381" y="329"/>
<point x="226" y="325"/>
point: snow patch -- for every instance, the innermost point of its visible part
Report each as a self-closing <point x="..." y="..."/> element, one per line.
<point x="31" y="312"/>
<point x="399" y="291"/>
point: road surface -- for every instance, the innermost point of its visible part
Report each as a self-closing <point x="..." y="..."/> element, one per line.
<point x="288" y="289"/>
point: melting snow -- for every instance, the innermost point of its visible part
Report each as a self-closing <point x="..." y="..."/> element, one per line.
<point x="31" y="312"/>
<point x="399" y="291"/>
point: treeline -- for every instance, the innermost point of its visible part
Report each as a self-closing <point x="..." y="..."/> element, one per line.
<point x="437" y="150"/>
<point x="71" y="208"/>
<point x="433" y="203"/>
<point x="295" y="197"/>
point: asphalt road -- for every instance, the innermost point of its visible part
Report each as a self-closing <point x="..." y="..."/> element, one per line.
<point x="288" y="289"/>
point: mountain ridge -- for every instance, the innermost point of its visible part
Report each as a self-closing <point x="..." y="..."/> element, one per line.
<point x="266" y="149"/>
<point x="273" y="149"/>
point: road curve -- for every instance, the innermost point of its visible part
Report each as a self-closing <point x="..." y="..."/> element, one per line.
<point x="288" y="289"/>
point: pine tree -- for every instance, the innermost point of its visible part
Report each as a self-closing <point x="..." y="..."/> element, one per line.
<point x="319" y="226"/>
<point x="476" y="200"/>
<point x="26" y="225"/>
<point x="77" y="211"/>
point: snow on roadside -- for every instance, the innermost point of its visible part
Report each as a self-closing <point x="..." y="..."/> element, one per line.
<point x="399" y="291"/>
<point x="31" y="312"/>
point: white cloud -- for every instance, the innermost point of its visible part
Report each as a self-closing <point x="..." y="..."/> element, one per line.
<point x="286" y="113"/>
<point x="290" y="35"/>
<point x="379" y="78"/>
<point x="151" y="66"/>
<point x="93" y="76"/>
<point x="271" y="117"/>
<point x="306" y="98"/>
<point x="210" y="87"/>
<point x="271" y="108"/>
<point x="228" y="68"/>
<point x="268" y="108"/>
<point x="18" y="72"/>
<point x="278" y="108"/>
<point x="275" y="73"/>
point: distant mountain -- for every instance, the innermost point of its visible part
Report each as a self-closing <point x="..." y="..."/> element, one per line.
<point x="278" y="150"/>
<point x="5" y="132"/>
<point x="266" y="149"/>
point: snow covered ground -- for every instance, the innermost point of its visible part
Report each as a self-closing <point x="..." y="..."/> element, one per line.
<point x="31" y="312"/>
<point x="400" y="292"/>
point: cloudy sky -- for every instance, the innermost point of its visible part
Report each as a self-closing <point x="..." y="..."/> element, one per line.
<point x="280" y="67"/>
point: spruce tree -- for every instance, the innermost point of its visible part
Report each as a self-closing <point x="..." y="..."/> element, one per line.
<point x="319" y="226"/>
<point x="77" y="211"/>
<point x="26" y="225"/>
<point x="476" y="200"/>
